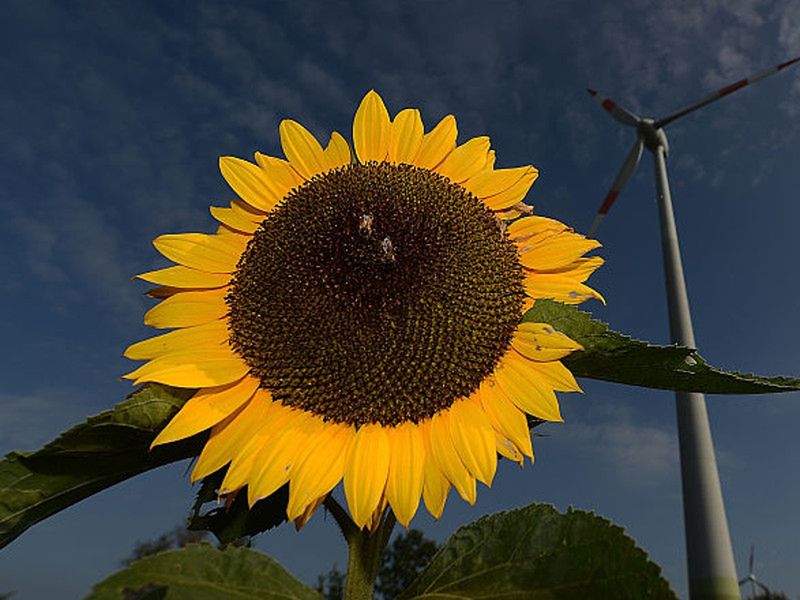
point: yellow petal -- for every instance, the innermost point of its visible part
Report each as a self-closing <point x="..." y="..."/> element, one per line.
<point x="302" y="149"/>
<point x="164" y="291"/>
<point x="233" y="219"/>
<point x="473" y="439"/>
<point x="540" y="341"/>
<point x="491" y="183"/>
<point x="509" y="214"/>
<point x="337" y="152"/>
<point x="509" y="421"/>
<point x="206" y="408"/>
<point x="526" y="388"/>
<point x="281" y="174"/>
<point x="490" y="159"/>
<point x="494" y="181"/>
<point x="406" y="136"/>
<point x="184" y="277"/>
<point x="406" y="470"/>
<point x="211" y="253"/>
<point x="249" y="182"/>
<point x="228" y="437"/>
<point x="555" y="251"/>
<point x="186" y="309"/>
<point x="250" y="454"/>
<point x="527" y="304"/>
<point x="435" y="486"/>
<point x="244" y="210"/>
<point x="276" y="458"/>
<point x="319" y="467"/>
<point x="366" y="471"/>
<point x="466" y="161"/>
<point x="580" y="270"/>
<point x="371" y="129"/>
<point x="526" y="227"/>
<point x="558" y="287"/>
<point x="192" y="369"/>
<point x="513" y="194"/>
<point x="445" y="455"/>
<point x="555" y="374"/>
<point x="437" y="143"/>
<point x="210" y="335"/>
<point x="505" y="447"/>
<point x="233" y="237"/>
<point x="307" y="513"/>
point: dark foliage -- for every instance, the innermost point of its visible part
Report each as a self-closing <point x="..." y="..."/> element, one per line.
<point x="406" y="556"/>
<point x="331" y="585"/>
<point x="770" y="596"/>
<point x="177" y="538"/>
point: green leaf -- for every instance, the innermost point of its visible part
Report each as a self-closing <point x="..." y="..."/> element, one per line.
<point x="538" y="553"/>
<point x="201" y="572"/>
<point x="106" y="449"/>
<point x="237" y="521"/>
<point x="611" y="356"/>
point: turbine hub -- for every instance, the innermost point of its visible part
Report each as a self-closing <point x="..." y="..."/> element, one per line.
<point x="653" y="137"/>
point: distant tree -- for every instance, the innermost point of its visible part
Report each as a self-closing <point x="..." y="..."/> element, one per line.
<point x="404" y="559"/>
<point x="331" y="585"/>
<point x="770" y="596"/>
<point x="406" y="556"/>
<point x="177" y="538"/>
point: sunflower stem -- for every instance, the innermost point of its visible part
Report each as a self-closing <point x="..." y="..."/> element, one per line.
<point x="365" y="556"/>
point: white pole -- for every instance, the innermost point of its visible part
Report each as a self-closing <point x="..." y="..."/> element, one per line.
<point x="712" y="574"/>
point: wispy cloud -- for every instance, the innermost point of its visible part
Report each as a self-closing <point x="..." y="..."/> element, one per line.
<point x="32" y="419"/>
<point x="635" y="453"/>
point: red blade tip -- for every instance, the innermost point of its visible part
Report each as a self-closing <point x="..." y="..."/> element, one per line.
<point x="609" y="200"/>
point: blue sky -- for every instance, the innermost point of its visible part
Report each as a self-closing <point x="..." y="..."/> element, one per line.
<point x="113" y="116"/>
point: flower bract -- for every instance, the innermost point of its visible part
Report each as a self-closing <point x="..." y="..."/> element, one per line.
<point x="358" y="317"/>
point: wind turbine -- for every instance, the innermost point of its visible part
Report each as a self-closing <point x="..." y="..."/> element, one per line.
<point x="712" y="573"/>
<point x="751" y="577"/>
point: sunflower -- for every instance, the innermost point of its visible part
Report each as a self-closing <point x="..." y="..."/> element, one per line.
<point x="357" y="316"/>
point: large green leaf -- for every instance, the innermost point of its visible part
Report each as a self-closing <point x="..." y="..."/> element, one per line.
<point x="104" y="450"/>
<point x="201" y="572"/>
<point x="611" y="356"/>
<point x="537" y="553"/>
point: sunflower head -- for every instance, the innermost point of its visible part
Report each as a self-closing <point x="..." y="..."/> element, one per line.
<point x="357" y="316"/>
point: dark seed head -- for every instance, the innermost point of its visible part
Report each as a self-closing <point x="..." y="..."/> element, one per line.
<point x="376" y="293"/>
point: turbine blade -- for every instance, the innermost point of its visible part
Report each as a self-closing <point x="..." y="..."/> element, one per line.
<point x="750" y="561"/>
<point x="628" y="168"/>
<point x="621" y="114"/>
<point x="595" y="224"/>
<point x="763" y="587"/>
<point x="721" y="93"/>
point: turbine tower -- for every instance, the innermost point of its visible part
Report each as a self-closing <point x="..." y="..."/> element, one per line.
<point x="712" y="574"/>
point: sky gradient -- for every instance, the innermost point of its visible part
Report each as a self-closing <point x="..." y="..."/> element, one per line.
<point x="113" y="116"/>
